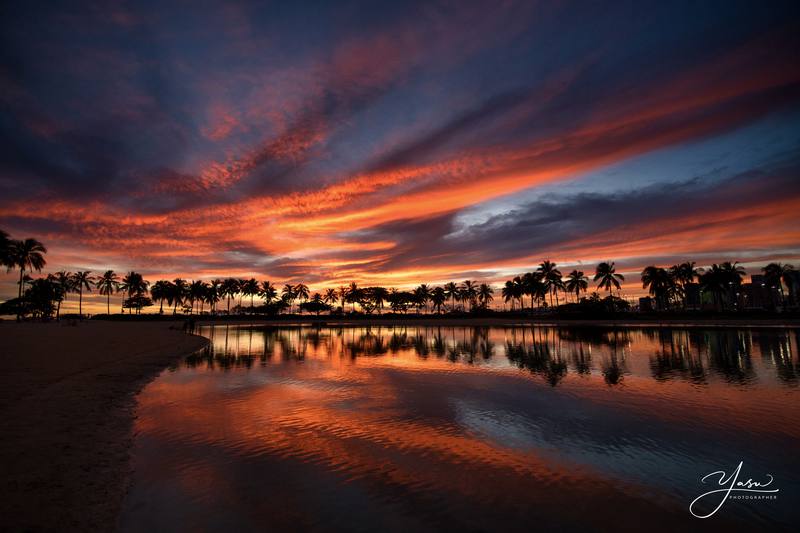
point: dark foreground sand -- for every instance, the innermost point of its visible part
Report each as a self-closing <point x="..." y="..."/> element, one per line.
<point x="66" y="413"/>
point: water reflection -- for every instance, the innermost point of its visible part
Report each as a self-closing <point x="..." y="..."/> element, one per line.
<point x="453" y="428"/>
<point x="690" y="355"/>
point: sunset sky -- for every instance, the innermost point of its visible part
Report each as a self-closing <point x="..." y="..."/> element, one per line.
<point x="399" y="143"/>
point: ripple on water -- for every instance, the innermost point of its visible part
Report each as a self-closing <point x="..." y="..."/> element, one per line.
<point x="441" y="427"/>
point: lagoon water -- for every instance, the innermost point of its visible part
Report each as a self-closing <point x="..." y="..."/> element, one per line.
<point x="468" y="429"/>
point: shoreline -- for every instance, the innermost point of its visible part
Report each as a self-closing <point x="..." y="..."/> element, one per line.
<point x="68" y="399"/>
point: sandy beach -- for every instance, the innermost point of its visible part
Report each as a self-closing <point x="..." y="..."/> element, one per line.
<point x="67" y="397"/>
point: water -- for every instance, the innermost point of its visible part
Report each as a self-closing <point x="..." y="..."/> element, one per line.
<point x="477" y="429"/>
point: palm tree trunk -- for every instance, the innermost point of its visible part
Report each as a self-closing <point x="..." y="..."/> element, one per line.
<point x="80" y="303"/>
<point x="108" y="303"/>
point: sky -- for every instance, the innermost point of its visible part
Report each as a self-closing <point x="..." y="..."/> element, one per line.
<point x="397" y="143"/>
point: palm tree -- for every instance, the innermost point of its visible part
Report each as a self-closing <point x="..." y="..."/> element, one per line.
<point x="379" y="296"/>
<point x="577" y="282"/>
<point x="301" y="291"/>
<point x="82" y="280"/>
<point x="423" y="294"/>
<point x="177" y="295"/>
<point x="25" y="255"/>
<point x="213" y="294"/>
<point x="162" y="290"/>
<point x="62" y="280"/>
<point x="268" y="292"/>
<point x="682" y="275"/>
<point x="228" y="289"/>
<point x="510" y="292"/>
<point x="251" y="289"/>
<point x="342" y="291"/>
<point x="353" y="294"/>
<point x="734" y="274"/>
<point x="714" y="280"/>
<point x="774" y="274"/>
<point x="686" y="272"/>
<point x="551" y="276"/>
<point x="318" y="303"/>
<point x="108" y="284"/>
<point x="531" y="285"/>
<point x="607" y="277"/>
<point x="660" y="284"/>
<point x="330" y="297"/>
<point x="468" y="292"/>
<point x="452" y="292"/>
<point x="288" y="294"/>
<point x="485" y="295"/>
<point x="196" y="293"/>
<point x="438" y="298"/>
<point x="133" y="284"/>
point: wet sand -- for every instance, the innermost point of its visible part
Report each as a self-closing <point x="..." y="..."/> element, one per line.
<point x="67" y="398"/>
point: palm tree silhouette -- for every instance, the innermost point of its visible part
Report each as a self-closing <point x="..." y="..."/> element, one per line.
<point x="509" y="292"/>
<point x="485" y="295"/>
<point x="452" y="292"/>
<point x="551" y="276"/>
<point x="301" y="291"/>
<point x="25" y="255"/>
<point x="774" y="274"/>
<point x="228" y="289"/>
<point x="607" y="277"/>
<point x="714" y="280"/>
<point x="342" y="291"/>
<point x="161" y="291"/>
<point x="577" y="282"/>
<point x="82" y="280"/>
<point x="330" y="297"/>
<point x="379" y="296"/>
<point x="423" y="294"/>
<point x="682" y="275"/>
<point x="196" y="293"/>
<point x="660" y="284"/>
<point x="133" y="284"/>
<point x="268" y="292"/>
<point x="213" y="294"/>
<point x="288" y="294"/>
<point x="108" y="284"/>
<point x="438" y="298"/>
<point x="178" y="293"/>
<point x="353" y="294"/>
<point x="250" y="288"/>
<point x="468" y="292"/>
<point x="63" y="280"/>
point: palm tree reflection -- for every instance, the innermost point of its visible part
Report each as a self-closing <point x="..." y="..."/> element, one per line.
<point x="551" y="353"/>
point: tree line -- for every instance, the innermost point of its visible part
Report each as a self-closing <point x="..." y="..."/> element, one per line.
<point x="545" y="287"/>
